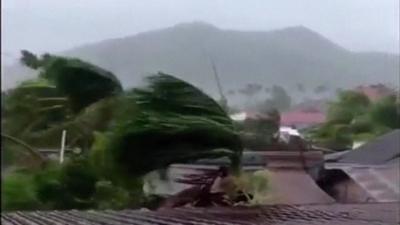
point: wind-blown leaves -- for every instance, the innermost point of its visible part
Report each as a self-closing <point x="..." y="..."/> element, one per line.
<point x="82" y="82"/>
<point x="175" y="122"/>
<point x="355" y="118"/>
<point x="62" y="97"/>
<point x="24" y="112"/>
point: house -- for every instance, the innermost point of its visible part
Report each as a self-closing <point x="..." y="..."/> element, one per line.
<point x="296" y="197"/>
<point x="248" y="115"/>
<point x="291" y="177"/>
<point x="375" y="92"/>
<point x="369" y="173"/>
<point x="303" y="118"/>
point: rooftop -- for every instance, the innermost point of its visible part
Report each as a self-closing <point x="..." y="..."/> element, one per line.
<point x="378" y="151"/>
<point x="302" y="117"/>
<point x="375" y="92"/>
<point x="334" y="214"/>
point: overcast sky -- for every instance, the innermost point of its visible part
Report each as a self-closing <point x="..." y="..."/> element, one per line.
<point x="55" y="25"/>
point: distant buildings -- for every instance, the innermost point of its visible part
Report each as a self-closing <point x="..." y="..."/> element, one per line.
<point x="298" y="118"/>
<point x="375" y="92"/>
<point x="302" y="118"/>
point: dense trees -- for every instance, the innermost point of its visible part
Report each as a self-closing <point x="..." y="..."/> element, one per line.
<point x="259" y="133"/>
<point x="278" y="99"/>
<point x="124" y="134"/>
<point x="174" y="122"/>
<point x="353" y="117"/>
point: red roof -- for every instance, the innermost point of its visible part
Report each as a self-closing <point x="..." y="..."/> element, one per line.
<point x="302" y="117"/>
<point x="375" y="92"/>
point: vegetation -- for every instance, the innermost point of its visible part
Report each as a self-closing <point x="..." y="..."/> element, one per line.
<point x="123" y="135"/>
<point x="260" y="133"/>
<point x="353" y="117"/>
<point x="278" y="99"/>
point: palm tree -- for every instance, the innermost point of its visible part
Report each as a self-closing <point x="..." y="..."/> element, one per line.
<point x="68" y="94"/>
<point x="149" y="128"/>
<point x="175" y="122"/>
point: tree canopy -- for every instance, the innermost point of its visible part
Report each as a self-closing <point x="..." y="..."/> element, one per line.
<point x="174" y="122"/>
<point x="353" y="117"/>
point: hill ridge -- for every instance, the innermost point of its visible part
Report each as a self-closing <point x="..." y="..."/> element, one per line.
<point x="283" y="56"/>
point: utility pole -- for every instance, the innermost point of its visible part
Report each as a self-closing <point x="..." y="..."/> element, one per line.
<point x="224" y="101"/>
<point x="62" y="150"/>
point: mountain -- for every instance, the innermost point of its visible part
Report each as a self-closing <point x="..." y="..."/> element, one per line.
<point x="285" y="57"/>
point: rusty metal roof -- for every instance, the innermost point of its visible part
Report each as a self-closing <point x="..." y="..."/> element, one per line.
<point x="378" y="151"/>
<point x="334" y="214"/>
<point x="380" y="182"/>
<point x="295" y="187"/>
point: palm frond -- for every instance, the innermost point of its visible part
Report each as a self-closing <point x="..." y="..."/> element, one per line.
<point x="82" y="82"/>
<point x="80" y="129"/>
<point x="175" y="122"/>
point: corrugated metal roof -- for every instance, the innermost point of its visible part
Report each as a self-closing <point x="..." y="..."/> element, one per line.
<point x="378" y="151"/>
<point x="288" y="178"/>
<point x="328" y="214"/>
<point x="295" y="187"/>
<point x="380" y="182"/>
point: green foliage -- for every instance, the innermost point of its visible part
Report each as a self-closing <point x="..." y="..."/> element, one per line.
<point x="279" y="100"/>
<point x="349" y="105"/>
<point x="353" y="98"/>
<point x="17" y="192"/>
<point x="81" y="82"/>
<point x="339" y="114"/>
<point x="100" y="157"/>
<point x="176" y="122"/>
<point x="109" y="196"/>
<point x="70" y="186"/>
<point x="129" y="134"/>
<point x="362" y="124"/>
<point x="25" y="112"/>
<point x="73" y="185"/>
<point x="29" y="59"/>
<point x="69" y="94"/>
<point x="354" y="118"/>
<point x="48" y="187"/>
<point x="386" y="113"/>
<point x="259" y="133"/>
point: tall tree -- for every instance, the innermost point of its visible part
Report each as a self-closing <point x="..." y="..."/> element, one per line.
<point x="175" y="122"/>
<point x="279" y="100"/>
<point x="354" y="118"/>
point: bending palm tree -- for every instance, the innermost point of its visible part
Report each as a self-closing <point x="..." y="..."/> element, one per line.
<point x="175" y="122"/>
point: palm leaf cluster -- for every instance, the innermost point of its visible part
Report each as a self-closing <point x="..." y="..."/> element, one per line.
<point x="175" y="122"/>
<point x="128" y="134"/>
<point x="68" y="94"/>
<point x="149" y="128"/>
<point x="82" y="82"/>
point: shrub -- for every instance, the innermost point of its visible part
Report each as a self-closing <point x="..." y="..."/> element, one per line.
<point x="18" y="193"/>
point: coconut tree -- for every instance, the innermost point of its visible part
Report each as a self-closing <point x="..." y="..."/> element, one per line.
<point x="68" y="94"/>
<point x="174" y="122"/>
